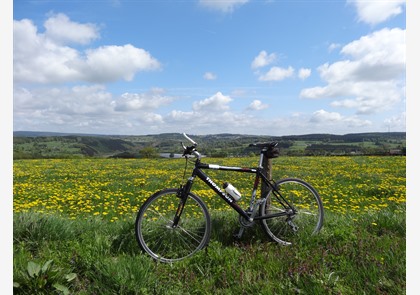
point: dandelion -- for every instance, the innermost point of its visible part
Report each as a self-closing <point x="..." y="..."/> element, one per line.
<point x="108" y="188"/>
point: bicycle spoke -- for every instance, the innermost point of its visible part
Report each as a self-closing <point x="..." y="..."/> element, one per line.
<point x="308" y="213"/>
<point x="158" y="237"/>
<point x="306" y="217"/>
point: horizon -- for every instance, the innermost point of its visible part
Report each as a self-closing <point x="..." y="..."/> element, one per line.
<point x="208" y="134"/>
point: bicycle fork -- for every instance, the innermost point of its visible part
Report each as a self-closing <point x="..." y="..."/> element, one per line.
<point x="183" y="195"/>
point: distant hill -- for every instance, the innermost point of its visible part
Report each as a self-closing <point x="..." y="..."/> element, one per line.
<point x="28" y="144"/>
<point x="46" y="134"/>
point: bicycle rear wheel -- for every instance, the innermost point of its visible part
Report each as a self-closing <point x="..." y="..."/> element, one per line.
<point x="158" y="237"/>
<point x="305" y="219"/>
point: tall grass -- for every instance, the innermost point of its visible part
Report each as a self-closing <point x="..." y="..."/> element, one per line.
<point x="351" y="255"/>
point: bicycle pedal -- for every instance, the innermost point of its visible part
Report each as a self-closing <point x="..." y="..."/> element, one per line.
<point x="237" y="236"/>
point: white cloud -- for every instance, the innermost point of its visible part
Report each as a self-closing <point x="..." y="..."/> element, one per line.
<point x="304" y="73"/>
<point x="150" y="118"/>
<point x="207" y="114"/>
<point x="37" y="59"/>
<point x="378" y="56"/>
<point x="369" y="97"/>
<point x="257" y="105"/>
<point x="322" y="116"/>
<point x="217" y="102"/>
<point x="374" y="12"/>
<point x="209" y="76"/>
<point x="263" y="59"/>
<point x="47" y="58"/>
<point x="61" y="30"/>
<point x="88" y="100"/>
<point x="372" y="80"/>
<point x="141" y="101"/>
<point x="86" y="108"/>
<point x="110" y="63"/>
<point x="181" y="115"/>
<point x="92" y="109"/>
<point x="277" y="74"/>
<point x="224" y="6"/>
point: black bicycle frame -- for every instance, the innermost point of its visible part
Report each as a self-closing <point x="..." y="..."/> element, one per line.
<point x="228" y="199"/>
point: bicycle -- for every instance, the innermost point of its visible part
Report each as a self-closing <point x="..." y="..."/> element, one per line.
<point x="174" y="223"/>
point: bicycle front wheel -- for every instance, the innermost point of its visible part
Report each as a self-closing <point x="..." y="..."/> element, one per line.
<point x="300" y="208"/>
<point x="156" y="233"/>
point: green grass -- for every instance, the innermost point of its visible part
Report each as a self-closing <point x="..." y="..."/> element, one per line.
<point x="363" y="254"/>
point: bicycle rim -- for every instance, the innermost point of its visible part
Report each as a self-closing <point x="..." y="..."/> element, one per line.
<point x="158" y="237"/>
<point x="308" y="218"/>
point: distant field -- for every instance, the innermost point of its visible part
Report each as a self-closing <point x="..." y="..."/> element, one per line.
<point x="115" y="188"/>
<point x="33" y="145"/>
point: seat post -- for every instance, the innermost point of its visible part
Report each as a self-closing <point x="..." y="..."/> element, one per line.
<point x="266" y="164"/>
<point x="262" y="159"/>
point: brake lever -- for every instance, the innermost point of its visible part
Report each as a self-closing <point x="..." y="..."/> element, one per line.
<point x="185" y="149"/>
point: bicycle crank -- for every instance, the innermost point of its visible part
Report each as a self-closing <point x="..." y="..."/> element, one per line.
<point x="245" y="222"/>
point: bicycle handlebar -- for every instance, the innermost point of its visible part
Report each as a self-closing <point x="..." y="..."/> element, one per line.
<point x="190" y="150"/>
<point x="192" y="141"/>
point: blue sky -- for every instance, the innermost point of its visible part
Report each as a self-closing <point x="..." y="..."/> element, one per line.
<point x="206" y="67"/>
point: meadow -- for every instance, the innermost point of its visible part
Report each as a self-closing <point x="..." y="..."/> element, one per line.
<point x="74" y="230"/>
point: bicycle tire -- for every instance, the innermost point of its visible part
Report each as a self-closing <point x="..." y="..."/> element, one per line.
<point x="155" y="234"/>
<point x="307" y="221"/>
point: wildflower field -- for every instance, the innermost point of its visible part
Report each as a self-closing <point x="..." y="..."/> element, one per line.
<point x="115" y="188"/>
<point x="73" y="229"/>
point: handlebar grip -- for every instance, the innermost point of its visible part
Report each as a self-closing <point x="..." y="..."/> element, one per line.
<point x="192" y="141"/>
